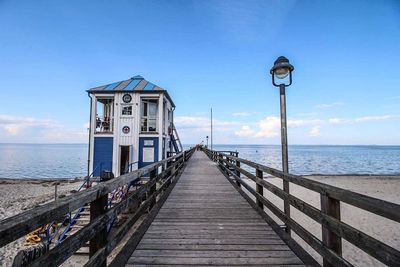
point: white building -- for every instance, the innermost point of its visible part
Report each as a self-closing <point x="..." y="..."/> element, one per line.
<point x="131" y="126"/>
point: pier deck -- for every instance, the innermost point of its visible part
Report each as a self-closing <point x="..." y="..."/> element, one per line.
<point x="205" y="221"/>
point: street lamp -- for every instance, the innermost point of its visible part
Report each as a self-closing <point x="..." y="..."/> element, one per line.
<point x="207" y="140"/>
<point x="280" y="71"/>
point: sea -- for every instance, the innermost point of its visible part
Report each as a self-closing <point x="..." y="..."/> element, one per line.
<point x="22" y="161"/>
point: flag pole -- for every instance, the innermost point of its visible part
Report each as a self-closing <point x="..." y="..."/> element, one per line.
<point x="211" y="130"/>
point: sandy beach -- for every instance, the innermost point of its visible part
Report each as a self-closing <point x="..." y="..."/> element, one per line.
<point x="19" y="195"/>
<point x="381" y="187"/>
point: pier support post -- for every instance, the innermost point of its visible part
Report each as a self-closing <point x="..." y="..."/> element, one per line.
<point x="259" y="189"/>
<point x="98" y="208"/>
<point x="152" y="189"/>
<point x="238" y="172"/>
<point x="331" y="207"/>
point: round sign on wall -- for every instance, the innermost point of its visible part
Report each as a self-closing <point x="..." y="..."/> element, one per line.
<point x="127" y="98"/>
<point x="126" y="129"/>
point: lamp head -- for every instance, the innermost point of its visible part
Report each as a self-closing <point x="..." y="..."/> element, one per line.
<point x="281" y="69"/>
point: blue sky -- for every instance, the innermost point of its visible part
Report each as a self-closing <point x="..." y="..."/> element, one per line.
<point x="206" y="54"/>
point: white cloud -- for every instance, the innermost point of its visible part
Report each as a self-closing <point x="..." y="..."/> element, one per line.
<point x="337" y="121"/>
<point x="315" y="131"/>
<point x="330" y="105"/>
<point x="14" y="125"/>
<point x="202" y="123"/>
<point x="245" y="131"/>
<point x="196" y="128"/>
<point x="28" y="129"/>
<point x="270" y="127"/>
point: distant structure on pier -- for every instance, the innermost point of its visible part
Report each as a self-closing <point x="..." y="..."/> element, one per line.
<point x="131" y="126"/>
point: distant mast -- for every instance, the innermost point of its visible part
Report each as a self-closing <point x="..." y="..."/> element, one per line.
<point x="211" y="130"/>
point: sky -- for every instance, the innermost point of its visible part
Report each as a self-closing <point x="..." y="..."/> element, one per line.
<point x="218" y="54"/>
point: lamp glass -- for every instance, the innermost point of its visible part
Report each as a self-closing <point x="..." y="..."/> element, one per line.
<point x="281" y="73"/>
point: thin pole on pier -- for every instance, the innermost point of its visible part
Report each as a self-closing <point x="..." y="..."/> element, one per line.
<point x="211" y="130"/>
<point x="285" y="160"/>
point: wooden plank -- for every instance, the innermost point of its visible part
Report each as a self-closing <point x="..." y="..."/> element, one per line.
<point x="244" y="224"/>
<point x="213" y="235"/>
<point x="214" y="261"/>
<point x="213" y="254"/>
<point x="98" y="208"/>
<point x="233" y="231"/>
<point x="213" y="247"/>
<point x="208" y="265"/>
<point x="331" y="240"/>
<point x="216" y="241"/>
<point x="293" y="245"/>
<point x="205" y="224"/>
<point x="259" y="188"/>
<point x="123" y="255"/>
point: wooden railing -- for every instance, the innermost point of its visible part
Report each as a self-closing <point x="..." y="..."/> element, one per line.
<point x="333" y="229"/>
<point x="146" y="197"/>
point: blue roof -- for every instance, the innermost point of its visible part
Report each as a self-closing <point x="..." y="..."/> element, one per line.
<point x="136" y="83"/>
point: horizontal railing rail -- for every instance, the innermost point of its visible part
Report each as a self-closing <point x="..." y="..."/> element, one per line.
<point x="333" y="229"/>
<point x="101" y="244"/>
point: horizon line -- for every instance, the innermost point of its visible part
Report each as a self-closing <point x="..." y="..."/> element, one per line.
<point x="31" y="143"/>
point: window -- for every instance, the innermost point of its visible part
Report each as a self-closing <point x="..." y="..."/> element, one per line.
<point x="104" y="115"/>
<point x="165" y="122"/>
<point x="149" y="112"/>
<point x="126" y="110"/>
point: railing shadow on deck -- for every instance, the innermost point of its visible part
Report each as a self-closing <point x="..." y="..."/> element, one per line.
<point x="146" y="198"/>
<point x="333" y="229"/>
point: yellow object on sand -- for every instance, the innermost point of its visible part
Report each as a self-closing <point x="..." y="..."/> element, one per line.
<point x="34" y="237"/>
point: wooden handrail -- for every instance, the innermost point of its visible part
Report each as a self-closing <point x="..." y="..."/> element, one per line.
<point x="329" y="215"/>
<point x="380" y="207"/>
<point x="17" y="226"/>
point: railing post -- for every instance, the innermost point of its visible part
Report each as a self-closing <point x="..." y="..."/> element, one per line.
<point x="238" y="172"/>
<point x="227" y="165"/>
<point x="152" y="189"/>
<point x="259" y="188"/>
<point x="331" y="207"/>
<point x="98" y="208"/>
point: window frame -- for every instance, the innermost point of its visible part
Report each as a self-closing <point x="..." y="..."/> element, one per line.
<point x="122" y="110"/>
<point x="147" y="117"/>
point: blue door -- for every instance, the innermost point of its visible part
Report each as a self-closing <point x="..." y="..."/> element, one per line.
<point x="148" y="151"/>
<point x="103" y="154"/>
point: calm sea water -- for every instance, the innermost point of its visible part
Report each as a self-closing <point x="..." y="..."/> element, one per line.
<point x="70" y="160"/>
<point x="43" y="160"/>
<point x="324" y="159"/>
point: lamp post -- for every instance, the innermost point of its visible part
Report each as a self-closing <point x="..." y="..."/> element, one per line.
<point x="207" y="140"/>
<point x="282" y="71"/>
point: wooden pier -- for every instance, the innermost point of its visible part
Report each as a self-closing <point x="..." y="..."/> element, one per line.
<point x="198" y="208"/>
<point x="205" y="221"/>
